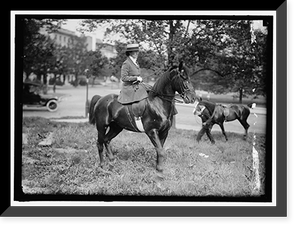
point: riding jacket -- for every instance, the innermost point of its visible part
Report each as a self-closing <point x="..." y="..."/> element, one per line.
<point x="129" y="71"/>
<point x="132" y="90"/>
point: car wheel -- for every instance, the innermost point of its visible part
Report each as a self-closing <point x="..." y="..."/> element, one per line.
<point x="52" y="105"/>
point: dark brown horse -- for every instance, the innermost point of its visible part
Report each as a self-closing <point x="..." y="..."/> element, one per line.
<point x="212" y="113"/>
<point x="152" y="115"/>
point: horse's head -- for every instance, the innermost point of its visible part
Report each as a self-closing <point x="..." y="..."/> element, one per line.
<point x="182" y="84"/>
<point x="198" y="110"/>
<point x="198" y="107"/>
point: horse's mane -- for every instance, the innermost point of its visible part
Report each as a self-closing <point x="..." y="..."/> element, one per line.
<point x="161" y="82"/>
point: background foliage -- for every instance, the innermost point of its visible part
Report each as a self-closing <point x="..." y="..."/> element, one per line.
<point x="223" y="55"/>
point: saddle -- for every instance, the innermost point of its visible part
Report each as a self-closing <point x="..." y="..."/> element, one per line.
<point x="133" y="97"/>
<point x="136" y="110"/>
<point x="226" y="110"/>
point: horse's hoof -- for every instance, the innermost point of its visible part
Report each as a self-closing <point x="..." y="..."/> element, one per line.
<point x="198" y="139"/>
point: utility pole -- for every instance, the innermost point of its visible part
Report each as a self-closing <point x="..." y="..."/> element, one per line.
<point x="87" y="103"/>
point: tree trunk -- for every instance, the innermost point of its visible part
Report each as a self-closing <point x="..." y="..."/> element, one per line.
<point x="27" y="73"/>
<point x="76" y="79"/>
<point x="241" y="95"/>
<point x="54" y="84"/>
<point x="45" y="79"/>
<point x="39" y="77"/>
<point x="170" y="47"/>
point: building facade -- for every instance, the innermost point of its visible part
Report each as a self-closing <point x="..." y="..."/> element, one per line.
<point x="106" y="49"/>
<point x="64" y="37"/>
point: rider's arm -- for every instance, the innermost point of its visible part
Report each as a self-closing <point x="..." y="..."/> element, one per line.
<point x="125" y="73"/>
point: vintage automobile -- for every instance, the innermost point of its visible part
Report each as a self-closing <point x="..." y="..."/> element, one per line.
<point x="33" y="98"/>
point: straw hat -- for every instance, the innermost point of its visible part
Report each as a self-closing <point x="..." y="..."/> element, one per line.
<point x="132" y="47"/>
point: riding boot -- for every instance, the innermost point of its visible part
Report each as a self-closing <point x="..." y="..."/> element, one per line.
<point x="174" y="112"/>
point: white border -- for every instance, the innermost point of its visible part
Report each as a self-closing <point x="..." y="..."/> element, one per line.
<point x="147" y="12"/>
<point x="117" y="203"/>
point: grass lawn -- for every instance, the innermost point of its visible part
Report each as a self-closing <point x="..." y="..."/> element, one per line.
<point x="71" y="164"/>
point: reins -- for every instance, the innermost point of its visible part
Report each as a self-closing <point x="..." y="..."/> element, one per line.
<point x="166" y="97"/>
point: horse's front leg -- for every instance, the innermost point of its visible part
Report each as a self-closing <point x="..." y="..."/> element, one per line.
<point x="208" y="133"/>
<point x="155" y="139"/>
<point x="201" y="133"/>
<point x="206" y="128"/>
<point x="223" y="130"/>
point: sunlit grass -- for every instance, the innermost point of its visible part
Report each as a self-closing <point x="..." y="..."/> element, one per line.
<point x="71" y="164"/>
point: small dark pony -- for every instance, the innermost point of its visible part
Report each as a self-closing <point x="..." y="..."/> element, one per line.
<point x="154" y="113"/>
<point x="212" y="113"/>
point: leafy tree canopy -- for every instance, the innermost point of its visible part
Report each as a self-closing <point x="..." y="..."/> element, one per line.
<point x="222" y="53"/>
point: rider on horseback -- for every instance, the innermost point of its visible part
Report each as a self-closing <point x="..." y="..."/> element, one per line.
<point x="134" y="89"/>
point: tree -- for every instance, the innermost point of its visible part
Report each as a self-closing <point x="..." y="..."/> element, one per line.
<point x="38" y="48"/>
<point x="73" y="57"/>
<point x="260" y="62"/>
<point x="161" y="36"/>
<point x="221" y="52"/>
<point x="226" y="58"/>
<point x="96" y="63"/>
<point x="115" y="63"/>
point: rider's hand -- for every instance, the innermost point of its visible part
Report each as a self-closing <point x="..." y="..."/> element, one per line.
<point x="140" y="79"/>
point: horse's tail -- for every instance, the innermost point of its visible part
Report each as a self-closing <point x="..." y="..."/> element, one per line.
<point x="91" y="110"/>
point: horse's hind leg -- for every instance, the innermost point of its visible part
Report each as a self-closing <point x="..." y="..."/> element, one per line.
<point x="246" y="127"/>
<point x="113" y="131"/>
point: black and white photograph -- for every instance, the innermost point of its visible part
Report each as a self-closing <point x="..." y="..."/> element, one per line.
<point x="144" y="107"/>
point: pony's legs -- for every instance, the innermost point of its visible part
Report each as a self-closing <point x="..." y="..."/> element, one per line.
<point x="223" y="130"/>
<point x="113" y="131"/>
<point x="246" y="127"/>
<point x="201" y="133"/>
<point x="206" y="128"/>
<point x="154" y="137"/>
<point x="208" y="133"/>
